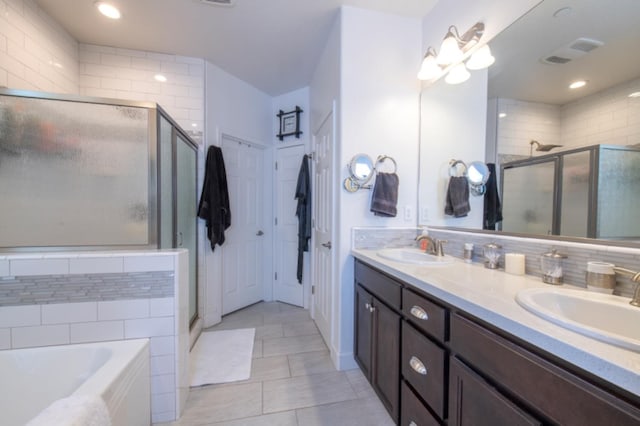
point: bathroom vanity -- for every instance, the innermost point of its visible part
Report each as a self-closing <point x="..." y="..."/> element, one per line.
<point x="449" y="344"/>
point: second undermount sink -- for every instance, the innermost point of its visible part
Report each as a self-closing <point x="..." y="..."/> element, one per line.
<point x="604" y="317"/>
<point x="414" y="256"/>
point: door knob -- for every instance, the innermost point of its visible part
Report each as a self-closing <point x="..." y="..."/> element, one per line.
<point x="327" y="245"/>
<point x="260" y="233"/>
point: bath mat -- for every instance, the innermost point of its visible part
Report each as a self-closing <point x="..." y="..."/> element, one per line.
<point x="222" y="356"/>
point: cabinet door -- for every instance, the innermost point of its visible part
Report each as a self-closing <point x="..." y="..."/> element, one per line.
<point x="413" y="411"/>
<point x="474" y="402"/>
<point x="386" y="357"/>
<point x="363" y="330"/>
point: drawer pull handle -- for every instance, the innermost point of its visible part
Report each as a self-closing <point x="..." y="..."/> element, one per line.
<point x="418" y="366"/>
<point x="369" y="307"/>
<point x="412" y="423"/>
<point x="419" y="313"/>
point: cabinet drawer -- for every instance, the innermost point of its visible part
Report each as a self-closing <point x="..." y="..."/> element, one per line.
<point x="423" y="366"/>
<point x="386" y="289"/>
<point x="424" y="314"/>
<point x="555" y="393"/>
<point x="413" y="411"/>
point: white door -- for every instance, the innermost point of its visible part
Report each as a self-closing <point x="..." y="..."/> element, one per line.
<point x="243" y="251"/>
<point x="286" y="287"/>
<point x="322" y="193"/>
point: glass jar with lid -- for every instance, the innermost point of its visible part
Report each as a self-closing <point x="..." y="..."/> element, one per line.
<point x="492" y="255"/>
<point x="551" y="264"/>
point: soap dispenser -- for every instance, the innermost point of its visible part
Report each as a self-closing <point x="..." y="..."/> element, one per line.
<point x="551" y="264"/>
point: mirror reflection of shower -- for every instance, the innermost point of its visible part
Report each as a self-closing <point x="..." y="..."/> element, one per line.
<point x="541" y="147"/>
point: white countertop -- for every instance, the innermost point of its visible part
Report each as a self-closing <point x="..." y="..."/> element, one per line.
<point x="490" y="296"/>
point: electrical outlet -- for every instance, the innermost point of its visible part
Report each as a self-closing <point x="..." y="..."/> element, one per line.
<point x="424" y="215"/>
<point x="408" y="213"/>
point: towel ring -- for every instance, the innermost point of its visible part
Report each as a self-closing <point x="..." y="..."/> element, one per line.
<point x="381" y="159"/>
<point x="453" y="168"/>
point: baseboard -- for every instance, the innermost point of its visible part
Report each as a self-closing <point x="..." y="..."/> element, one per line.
<point x="343" y="361"/>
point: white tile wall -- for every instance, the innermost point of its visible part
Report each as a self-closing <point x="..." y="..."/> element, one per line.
<point x="148" y="263"/>
<point x="36" y="53"/>
<point x="607" y="117"/>
<point x="66" y="313"/>
<point x="129" y="74"/>
<point x="4" y="268"/>
<point x="56" y="324"/>
<point x="18" y="267"/>
<point x="89" y="265"/>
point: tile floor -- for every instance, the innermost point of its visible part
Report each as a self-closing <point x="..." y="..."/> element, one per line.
<point x="293" y="381"/>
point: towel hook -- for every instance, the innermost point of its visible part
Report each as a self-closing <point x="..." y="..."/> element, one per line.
<point x="453" y="168"/>
<point x="381" y="159"/>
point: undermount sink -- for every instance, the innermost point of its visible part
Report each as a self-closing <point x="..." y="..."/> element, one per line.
<point x="601" y="316"/>
<point x="414" y="256"/>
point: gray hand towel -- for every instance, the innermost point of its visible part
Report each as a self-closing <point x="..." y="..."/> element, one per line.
<point x="385" y="195"/>
<point x="457" y="202"/>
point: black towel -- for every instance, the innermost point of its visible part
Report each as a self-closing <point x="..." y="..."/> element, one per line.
<point x="457" y="202"/>
<point x="385" y="195"/>
<point x="303" y="211"/>
<point x="214" y="200"/>
<point x="492" y="205"/>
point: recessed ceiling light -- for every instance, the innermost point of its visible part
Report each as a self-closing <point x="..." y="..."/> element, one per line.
<point x="194" y="124"/>
<point x="108" y="10"/>
<point x="160" y="77"/>
<point x="634" y="95"/>
<point x="502" y="115"/>
<point x="578" y="84"/>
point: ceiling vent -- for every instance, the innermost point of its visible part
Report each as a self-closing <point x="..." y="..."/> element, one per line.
<point x="227" y="3"/>
<point x="571" y="51"/>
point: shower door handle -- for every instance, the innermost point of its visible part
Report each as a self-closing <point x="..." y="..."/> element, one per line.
<point x="180" y="239"/>
<point x="260" y="233"/>
<point x="327" y="245"/>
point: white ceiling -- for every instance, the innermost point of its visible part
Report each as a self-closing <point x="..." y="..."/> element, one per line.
<point x="271" y="44"/>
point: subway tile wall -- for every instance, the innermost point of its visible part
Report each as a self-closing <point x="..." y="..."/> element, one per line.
<point x="574" y="266"/>
<point x="112" y="72"/>
<point x="36" y="53"/>
<point x="102" y="297"/>
<point x="606" y="117"/>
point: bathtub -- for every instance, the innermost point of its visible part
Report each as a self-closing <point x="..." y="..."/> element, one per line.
<point x="118" y="372"/>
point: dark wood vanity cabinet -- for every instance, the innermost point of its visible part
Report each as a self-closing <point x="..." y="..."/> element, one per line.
<point x="433" y="364"/>
<point x="377" y="336"/>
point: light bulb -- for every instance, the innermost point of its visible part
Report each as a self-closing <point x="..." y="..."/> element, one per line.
<point x="429" y="69"/>
<point x="108" y="10"/>
<point x="481" y="58"/>
<point x="458" y="74"/>
<point x="450" y="52"/>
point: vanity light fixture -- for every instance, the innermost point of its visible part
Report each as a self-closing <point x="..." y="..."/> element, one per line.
<point x="161" y="78"/>
<point x="455" y="49"/>
<point x="502" y="115"/>
<point x="634" y="95"/>
<point x="578" y="84"/>
<point x="108" y="10"/>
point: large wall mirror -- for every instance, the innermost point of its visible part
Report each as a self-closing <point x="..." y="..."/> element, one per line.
<point x="577" y="130"/>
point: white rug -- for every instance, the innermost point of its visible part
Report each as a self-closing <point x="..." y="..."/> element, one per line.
<point x="222" y="356"/>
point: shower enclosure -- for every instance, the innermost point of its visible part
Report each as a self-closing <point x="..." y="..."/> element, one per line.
<point x="80" y="173"/>
<point x="586" y="192"/>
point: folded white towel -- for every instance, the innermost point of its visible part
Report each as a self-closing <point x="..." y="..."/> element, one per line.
<point x="81" y="410"/>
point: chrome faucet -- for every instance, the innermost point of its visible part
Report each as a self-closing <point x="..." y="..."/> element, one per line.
<point x="635" y="278"/>
<point x="434" y="245"/>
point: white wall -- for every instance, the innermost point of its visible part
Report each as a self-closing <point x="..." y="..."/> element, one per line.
<point x="238" y="109"/>
<point x="35" y="52"/>
<point x="378" y="115"/>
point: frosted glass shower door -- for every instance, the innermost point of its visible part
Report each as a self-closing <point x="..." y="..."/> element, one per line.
<point x="528" y="198"/>
<point x="576" y="183"/>
<point x="74" y="174"/>
<point x="186" y="213"/>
